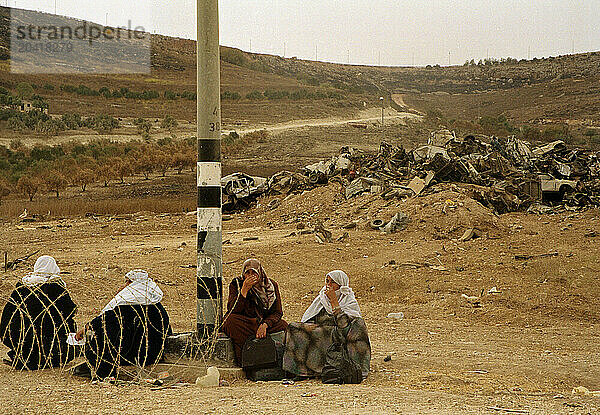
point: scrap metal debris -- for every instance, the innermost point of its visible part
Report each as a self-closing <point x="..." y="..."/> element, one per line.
<point x="504" y="174"/>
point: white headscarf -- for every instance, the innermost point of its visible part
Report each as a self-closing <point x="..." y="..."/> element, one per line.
<point x="142" y="291"/>
<point x="44" y="270"/>
<point x="345" y="296"/>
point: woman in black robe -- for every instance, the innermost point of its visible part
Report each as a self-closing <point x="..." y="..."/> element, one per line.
<point x="131" y="331"/>
<point x="37" y="319"/>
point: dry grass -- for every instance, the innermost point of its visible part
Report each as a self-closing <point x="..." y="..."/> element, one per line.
<point x="79" y="207"/>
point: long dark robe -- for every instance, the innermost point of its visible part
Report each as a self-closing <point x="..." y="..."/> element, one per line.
<point x="244" y="315"/>
<point x="35" y="323"/>
<point x="129" y="335"/>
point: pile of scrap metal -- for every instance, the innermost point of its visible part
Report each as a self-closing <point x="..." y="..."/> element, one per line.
<point x="505" y="174"/>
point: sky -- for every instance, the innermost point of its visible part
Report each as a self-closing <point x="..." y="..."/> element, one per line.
<point x="374" y="32"/>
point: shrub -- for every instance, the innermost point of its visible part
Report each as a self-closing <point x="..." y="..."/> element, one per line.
<point x="24" y="90"/>
<point x="39" y="102"/>
<point x="16" y="124"/>
<point x="49" y="127"/>
<point x="234" y="56"/>
<point x="104" y="123"/>
<point x="230" y="95"/>
<point x="170" y="95"/>
<point x="72" y="121"/>
<point x="168" y="123"/>
<point x="188" y="95"/>
<point x="144" y="127"/>
<point x="271" y="94"/>
<point x="254" y="95"/>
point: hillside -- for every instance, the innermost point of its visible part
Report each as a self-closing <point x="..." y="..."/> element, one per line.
<point x="554" y="90"/>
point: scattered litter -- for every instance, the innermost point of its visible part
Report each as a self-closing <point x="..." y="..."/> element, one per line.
<point x="396" y="316"/>
<point x="526" y="257"/>
<point x="321" y="234"/>
<point x="398" y="223"/>
<point x="494" y="290"/>
<point x="211" y="379"/>
<point x="508" y="410"/>
<point x="583" y="391"/>
<point x="376" y="224"/>
<point x="469" y="234"/>
<point x="474" y="301"/>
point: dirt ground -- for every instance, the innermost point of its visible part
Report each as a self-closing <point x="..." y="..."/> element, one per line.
<point x="524" y="349"/>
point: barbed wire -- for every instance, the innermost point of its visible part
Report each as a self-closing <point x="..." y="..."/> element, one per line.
<point x="127" y="344"/>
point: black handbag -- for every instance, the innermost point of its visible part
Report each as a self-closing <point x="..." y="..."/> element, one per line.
<point x="338" y="367"/>
<point x="259" y="354"/>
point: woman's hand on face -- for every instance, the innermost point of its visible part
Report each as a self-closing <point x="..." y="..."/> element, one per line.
<point x="261" y="333"/>
<point x="330" y="293"/>
<point x="249" y="281"/>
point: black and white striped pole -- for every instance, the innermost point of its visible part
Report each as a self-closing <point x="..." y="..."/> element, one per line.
<point x="210" y="264"/>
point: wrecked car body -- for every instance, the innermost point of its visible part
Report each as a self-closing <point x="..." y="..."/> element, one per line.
<point x="240" y="189"/>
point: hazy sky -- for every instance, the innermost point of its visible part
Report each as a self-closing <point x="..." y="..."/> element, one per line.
<point x="390" y="32"/>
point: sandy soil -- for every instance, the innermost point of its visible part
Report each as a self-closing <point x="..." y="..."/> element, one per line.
<point x="524" y="349"/>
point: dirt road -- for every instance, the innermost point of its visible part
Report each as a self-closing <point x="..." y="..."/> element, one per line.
<point x="371" y="115"/>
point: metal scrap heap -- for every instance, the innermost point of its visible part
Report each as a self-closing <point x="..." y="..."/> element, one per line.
<point x="505" y="174"/>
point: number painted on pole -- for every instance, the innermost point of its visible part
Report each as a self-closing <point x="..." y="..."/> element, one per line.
<point x="214" y="126"/>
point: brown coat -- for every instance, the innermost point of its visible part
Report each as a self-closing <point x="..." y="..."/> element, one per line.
<point x="244" y="316"/>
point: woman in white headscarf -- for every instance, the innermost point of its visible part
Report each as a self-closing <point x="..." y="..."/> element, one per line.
<point x="131" y="329"/>
<point x="335" y="307"/>
<point x="37" y="319"/>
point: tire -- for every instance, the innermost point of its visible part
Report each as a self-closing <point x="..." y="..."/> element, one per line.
<point x="376" y="223"/>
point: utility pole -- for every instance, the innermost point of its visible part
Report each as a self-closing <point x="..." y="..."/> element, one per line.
<point x="210" y="250"/>
<point x="316" y="53"/>
<point x="448" y="58"/>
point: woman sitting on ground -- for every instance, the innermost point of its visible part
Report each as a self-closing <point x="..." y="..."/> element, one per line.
<point x="307" y="341"/>
<point x="254" y="307"/>
<point x="131" y="329"/>
<point x="37" y="319"/>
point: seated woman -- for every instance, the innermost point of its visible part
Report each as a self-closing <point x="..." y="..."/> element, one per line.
<point x="307" y="341"/>
<point x="254" y="307"/>
<point x="37" y="319"/>
<point x="131" y="330"/>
